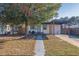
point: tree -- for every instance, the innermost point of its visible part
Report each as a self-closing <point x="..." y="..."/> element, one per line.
<point x="72" y="20"/>
<point x="29" y="13"/>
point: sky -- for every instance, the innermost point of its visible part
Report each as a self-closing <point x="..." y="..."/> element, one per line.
<point x="69" y="9"/>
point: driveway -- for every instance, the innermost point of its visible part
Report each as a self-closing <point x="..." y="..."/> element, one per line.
<point x="66" y="38"/>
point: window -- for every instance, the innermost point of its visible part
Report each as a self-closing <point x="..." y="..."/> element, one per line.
<point x="45" y="26"/>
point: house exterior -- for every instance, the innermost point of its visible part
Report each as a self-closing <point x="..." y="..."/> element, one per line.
<point x="52" y="27"/>
<point x="7" y="29"/>
<point x="74" y="29"/>
<point x="2" y="29"/>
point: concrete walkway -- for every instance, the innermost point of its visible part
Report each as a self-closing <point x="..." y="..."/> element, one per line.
<point x="39" y="48"/>
<point x="66" y="38"/>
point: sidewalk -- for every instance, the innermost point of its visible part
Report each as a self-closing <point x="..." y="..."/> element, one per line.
<point x="39" y="48"/>
<point x="69" y="40"/>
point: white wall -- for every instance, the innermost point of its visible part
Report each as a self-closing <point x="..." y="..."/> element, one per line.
<point x="57" y="29"/>
<point x="35" y="29"/>
<point x="39" y="29"/>
<point x="46" y="31"/>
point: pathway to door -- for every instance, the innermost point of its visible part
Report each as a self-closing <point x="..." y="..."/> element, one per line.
<point x="39" y="48"/>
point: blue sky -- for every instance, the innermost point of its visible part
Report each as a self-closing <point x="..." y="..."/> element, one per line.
<point x="69" y="9"/>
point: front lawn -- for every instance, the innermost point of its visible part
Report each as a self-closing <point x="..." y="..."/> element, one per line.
<point x="57" y="47"/>
<point x="17" y="47"/>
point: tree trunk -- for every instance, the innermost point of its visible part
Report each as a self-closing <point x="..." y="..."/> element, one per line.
<point x="26" y="28"/>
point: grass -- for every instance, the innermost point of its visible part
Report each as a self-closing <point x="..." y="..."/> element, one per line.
<point x="17" y="47"/>
<point x="57" y="47"/>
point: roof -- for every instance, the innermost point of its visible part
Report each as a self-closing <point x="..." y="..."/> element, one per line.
<point x="74" y="26"/>
<point x="57" y="21"/>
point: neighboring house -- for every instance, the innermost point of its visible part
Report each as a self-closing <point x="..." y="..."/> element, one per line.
<point x="7" y="29"/>
<point x="2" y="29"/>
<point x="74" y="29"/>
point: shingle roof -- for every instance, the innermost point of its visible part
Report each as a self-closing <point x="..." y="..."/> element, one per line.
<point x="57" y="21"/>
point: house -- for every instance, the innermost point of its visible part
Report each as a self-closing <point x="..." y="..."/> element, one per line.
<point x="2" y="29"/>
<point x="53" y="27"/>
<point x="74" y="29"/>
<point x="7" y="29"/>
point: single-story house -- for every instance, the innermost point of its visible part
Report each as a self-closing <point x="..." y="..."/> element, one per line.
<point x="52" y="27"/>
<point x="74" y="29"/>
<point x="7" y="29"/>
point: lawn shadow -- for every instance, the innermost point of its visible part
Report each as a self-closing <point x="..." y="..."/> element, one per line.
<point x="2" y="43"/>
<point x="34" y="37"/>
<point x="37" y="36"/>
<point x="27" y="37"/>
<point x="41" y="37"/>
